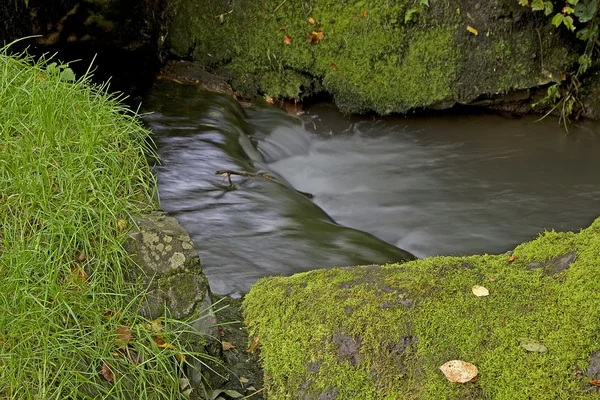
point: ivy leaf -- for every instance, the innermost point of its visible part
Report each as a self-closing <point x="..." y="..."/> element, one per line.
<point x="538" y="5"/>
<point x="568" y="21"/>
<point x="585" y="11"/>
<point x="557" y="20"/>
<point x="425" y="3"/>
<point x="548" y="8"/>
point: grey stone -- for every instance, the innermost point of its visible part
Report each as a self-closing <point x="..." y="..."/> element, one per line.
<point x="556" y="265"/>
<point x="347" y="348"/>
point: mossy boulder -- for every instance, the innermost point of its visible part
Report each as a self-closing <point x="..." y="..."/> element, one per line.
<point x="368" y="54"/>
<point x="382" y="332"/>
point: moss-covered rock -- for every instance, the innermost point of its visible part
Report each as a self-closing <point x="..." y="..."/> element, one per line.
<point x="382" y="332"/>
<point x="367" y="54"/>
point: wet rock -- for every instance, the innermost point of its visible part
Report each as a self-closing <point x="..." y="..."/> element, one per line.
<point x="556" y="265"/>
<point x="347" y="348"/>
<point x="168" y="266"/>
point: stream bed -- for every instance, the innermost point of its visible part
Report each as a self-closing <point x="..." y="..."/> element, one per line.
<point x="384" y="188"/>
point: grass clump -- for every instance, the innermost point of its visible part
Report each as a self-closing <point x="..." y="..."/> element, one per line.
<point x="382" y="332"/>
<point x="72" y="169"/>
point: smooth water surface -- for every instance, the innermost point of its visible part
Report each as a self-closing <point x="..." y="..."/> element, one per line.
<point x="430" y="185"/>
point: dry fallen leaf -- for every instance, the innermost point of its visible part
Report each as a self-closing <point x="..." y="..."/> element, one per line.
<point x="312" y="21"/>
<point x="254" y="344"/>
<point x="122" y="225"/>
<point x="227" y="346"/>
<point x="511" y="259"/>
<point x="80" y="274"/>
<point x="333" y="66"/>
<point x="480" y="291"/>
<point x="472" y="30"/>
<point x="287" y="39"/>
<point x="156" y="325"/>
<point x="315" y="37"/>
<point x="123" y="337"/>
<point x="532" y="345"/>
<point x="79" y="257"/>
<point x="364" y="14"/>
<point x="459" y="371"/>
<point x="107" y="373"/>
<point x="492" y="279"/>
<point x="244" y="379"/>
<point x="595" y="382"/>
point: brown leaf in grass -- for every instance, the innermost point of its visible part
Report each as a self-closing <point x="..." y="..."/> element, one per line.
<point x="511" y="259"/>
<point x="312" y="21"/>
<point x="287" y="39"/>
<point x="123" y="337"/>
<point x="107" y="373"/>
<point x="79" y="257"/>
<point x="156" y="325"/>
<point x="315" y="37"/>
<point x="595" y="382"/>
<point x="227" y="346"/>
<point x="333" y="66"/>
<point x="364" y="14"/>
<point x="253" y="344"/>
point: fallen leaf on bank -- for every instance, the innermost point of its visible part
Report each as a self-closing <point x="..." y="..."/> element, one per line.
<point x="333" y="66"/>
<point x="123" y="337"/>
<point x="472" y="30"/>
<point x="227" y="346"/>
<point x="180" y="357"/>
<point x="253" y="344"/>
<point x="595" y="382"/>
<point x="80" y="274"/>
<point x="532" y="345"/>
<point x="364" y="14"/>
<point x="480" y="291"/>
<point x="107" y="373"/>
<point x="244" y="379"/>
<point x="315" y="37"/>
<point x="459" y="371"/>
<point x="511" y="259"/>
<point x="156" y="325"/>
<point x="492" y="279"/>
<point x="80" y="257"/>
<point x="269" y="100"/>
<point x="287" y="39"/>
<point x="312" y="21"/>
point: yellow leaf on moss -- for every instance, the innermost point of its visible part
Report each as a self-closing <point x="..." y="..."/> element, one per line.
<point x="459" y="371"/>
<point x="472" y="30"/>
<point x="480" y="291"/>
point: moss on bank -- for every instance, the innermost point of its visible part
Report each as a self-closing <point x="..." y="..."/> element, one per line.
<point x="383" y="332"/>
<point x="370" y="58"/>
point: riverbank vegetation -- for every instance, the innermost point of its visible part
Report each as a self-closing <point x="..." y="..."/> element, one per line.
<point x="528" y="321"/>
<point x="72" y="170"/>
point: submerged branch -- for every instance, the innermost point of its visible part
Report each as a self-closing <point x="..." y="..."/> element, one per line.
<point x="229" y="172"/>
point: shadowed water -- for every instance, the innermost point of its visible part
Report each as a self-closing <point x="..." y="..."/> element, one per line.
<point x="430" y="185"/>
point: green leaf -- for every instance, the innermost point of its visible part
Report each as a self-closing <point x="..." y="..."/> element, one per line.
<point x="585" y="62"/>
<point x="410" y="14"/>
<point x="573" y="1"/>
<point x="568" y="21"/>
<point x="537" y="5"/>
<point x="548" y="8"/>
<point x="68" y="75"/>
<point x="524" y="2"/>
<point x="584" y="34"/>
<point x="532" y="345"/>
<point x="586" y="11"/>
<point x="557" y="20"/>
<point x="567" y="10"/>
<point x="425" y="3"/>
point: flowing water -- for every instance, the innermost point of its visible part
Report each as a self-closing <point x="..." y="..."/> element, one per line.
<point x="445" y="184"/>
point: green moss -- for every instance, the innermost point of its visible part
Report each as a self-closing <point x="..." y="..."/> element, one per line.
<point x="404" y="321"/>
<point x="369" y="58"/>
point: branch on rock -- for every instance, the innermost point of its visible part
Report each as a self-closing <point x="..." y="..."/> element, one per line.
<point x="229" y="172"/>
